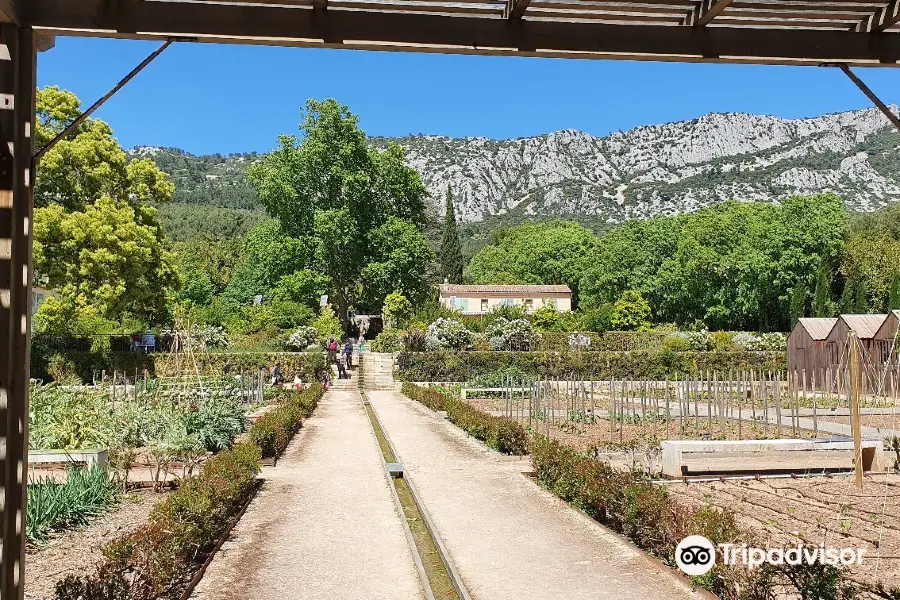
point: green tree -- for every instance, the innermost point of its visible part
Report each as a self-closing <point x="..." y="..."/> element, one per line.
<point x="553" y="252"/>
<point x="397" y="310"/>
<point x="89" y="164"/>
<point x="304" y="286"/>
<point x="399" y="257"/>
<point x="327" y="325"/>
<point x="450" y="254"/>
<point x="894" y="297"/>
<point x="268" y="255"/>
<point x="823" y="305"/>
<point x="104" y="257"/>
<point x="631" y="312"/>
<point x="329" y="186"/>
<point x="798" y="302"/>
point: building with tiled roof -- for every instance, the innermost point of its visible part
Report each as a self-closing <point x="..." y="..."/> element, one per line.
<point x="482" y="299"/>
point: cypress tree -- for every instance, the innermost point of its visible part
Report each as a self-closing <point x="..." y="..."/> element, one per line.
<point x="822" y="305"/>
<point x="450" y="254"/>
<point x="798" y="302"/>
<point x="894" y="297"/>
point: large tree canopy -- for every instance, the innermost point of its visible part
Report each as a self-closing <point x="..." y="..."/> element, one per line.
<point x="103" y="257"/>
<point x="97" y="238"/>
<point x="554" y="252"/>
<point x="331" y="189"/>
<point x="731" y="266"/>
<point x="89" y="163"/>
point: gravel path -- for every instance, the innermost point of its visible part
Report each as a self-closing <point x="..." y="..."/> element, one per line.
<point x="324" y="526"/>
<point x="509" y="539"/>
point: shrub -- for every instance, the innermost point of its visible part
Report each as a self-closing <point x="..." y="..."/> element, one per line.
<point x="500" y="377"/>
<point x="414" y="340"/>
<point x="447" y="334"/>
<point x="512" y="335"/>
<point x="273" y="431"/>
<point x="763" y="342"/>
<point x="397" y="310"/>
<point x="598" y="319"/>
<point x="631" y="312"/>
<point x="676" y="343"/>
<point x="63" y="370"/>
<point x="722" y="341"/>
<point x="501" y="434"/>
<point x="302" y="338"/>
<point x="390" y="340"/>
<point x="307" y="365"/>
<point x="433" y="399"/>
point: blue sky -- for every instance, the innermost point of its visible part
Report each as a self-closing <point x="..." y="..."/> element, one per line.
<point x="209" y="98"/>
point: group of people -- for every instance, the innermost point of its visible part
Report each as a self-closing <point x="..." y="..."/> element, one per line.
<point x="341" y="356"/>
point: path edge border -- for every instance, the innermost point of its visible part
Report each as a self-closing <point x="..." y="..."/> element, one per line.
<point x="455" y="578"/>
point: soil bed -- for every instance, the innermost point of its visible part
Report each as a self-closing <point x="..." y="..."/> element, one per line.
<point x="830" y="511"/>
<point x="78" y="551"/>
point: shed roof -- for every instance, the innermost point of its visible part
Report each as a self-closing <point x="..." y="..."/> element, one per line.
<point x="452" y="288"/>
<point x="818" y="328"/>
<point x="865" y="326"/>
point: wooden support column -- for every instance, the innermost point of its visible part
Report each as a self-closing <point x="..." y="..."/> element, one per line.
<point x="17" y="104"/>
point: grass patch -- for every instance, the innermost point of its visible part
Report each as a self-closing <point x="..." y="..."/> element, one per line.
<point x="86" y="494"/>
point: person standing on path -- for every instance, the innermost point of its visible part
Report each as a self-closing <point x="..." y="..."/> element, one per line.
<point x="276" y="373"/>
<point x="348" y="351"/>
<point x="227" y="368"/>
<point x="332" y="350"/>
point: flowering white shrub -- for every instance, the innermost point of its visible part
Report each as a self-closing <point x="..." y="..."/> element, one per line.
<point x="303" y="338"/>
<point x="697" y="341"/>
<point x="579" y="341"/>
<point x="517" y="334"/>
<point x="447" y="334"/>
<point x="762" y="342"/>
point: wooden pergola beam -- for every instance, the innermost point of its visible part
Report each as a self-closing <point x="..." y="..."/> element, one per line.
<point x="705" y="12"/>
<point x="515" y="9"/>
<point x="477" y="34"/>
<point x="881" y="19"/>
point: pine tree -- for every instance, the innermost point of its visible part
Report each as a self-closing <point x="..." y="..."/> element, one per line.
<point x="450" y="254"/>
<point x="822" y="305"/>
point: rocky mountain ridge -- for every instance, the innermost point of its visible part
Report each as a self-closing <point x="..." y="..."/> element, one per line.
<point x="648" y="171"/>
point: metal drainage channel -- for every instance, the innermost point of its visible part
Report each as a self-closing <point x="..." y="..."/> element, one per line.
<point x="439" y="578"/>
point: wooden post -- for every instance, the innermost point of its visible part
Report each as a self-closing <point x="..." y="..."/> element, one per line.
<point x="855" y="385"/>
<point x="668" y="413"/>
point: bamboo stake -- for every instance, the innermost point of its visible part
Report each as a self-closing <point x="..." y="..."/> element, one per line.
<point x="777" y="383"/>
<point x="668" y="414"/>
<point x="855" y="377"/>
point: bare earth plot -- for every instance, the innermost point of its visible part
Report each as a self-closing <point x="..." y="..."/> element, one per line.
<point x="509" y="539"/>
<point x="324" y="526"/>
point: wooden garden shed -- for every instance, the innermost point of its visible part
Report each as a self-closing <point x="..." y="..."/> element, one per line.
<point x="873" y="338"/>
<point x="807" y="345"/>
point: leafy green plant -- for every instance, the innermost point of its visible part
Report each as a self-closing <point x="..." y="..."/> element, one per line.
<point x="52" y="506"/>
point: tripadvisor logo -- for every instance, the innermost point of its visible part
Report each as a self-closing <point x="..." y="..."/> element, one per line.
<point x="696" y="555"/>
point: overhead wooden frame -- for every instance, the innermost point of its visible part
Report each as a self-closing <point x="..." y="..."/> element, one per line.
<point x="860" y="32"/>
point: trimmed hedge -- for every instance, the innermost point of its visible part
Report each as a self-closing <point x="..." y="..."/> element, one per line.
<point x="274" y="430"/>
<point x="308" y="365"/>
<point x="462" y="366"/>
<point x="158" y="559"/>
<point x="502" y="434"/>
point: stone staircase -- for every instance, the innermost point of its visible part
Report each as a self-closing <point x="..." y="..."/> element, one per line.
<point x="378" y="371"/>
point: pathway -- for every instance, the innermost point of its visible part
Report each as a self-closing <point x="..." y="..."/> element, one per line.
<point x="324" y="526"/>
<point x="509" y="539"/>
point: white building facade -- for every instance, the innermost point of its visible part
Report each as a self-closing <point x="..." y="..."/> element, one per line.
<point x="482" y="299"/>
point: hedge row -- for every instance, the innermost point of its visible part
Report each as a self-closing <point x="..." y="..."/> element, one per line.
<point x="158" y="559"/>
<point x="308" y="365"/>
<point x="45" y="363"/>
<point x="646" y="514"/>
<point x="501" y="434"/>
<point x="273" y="431"/>
<point x="462" y="366"/>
